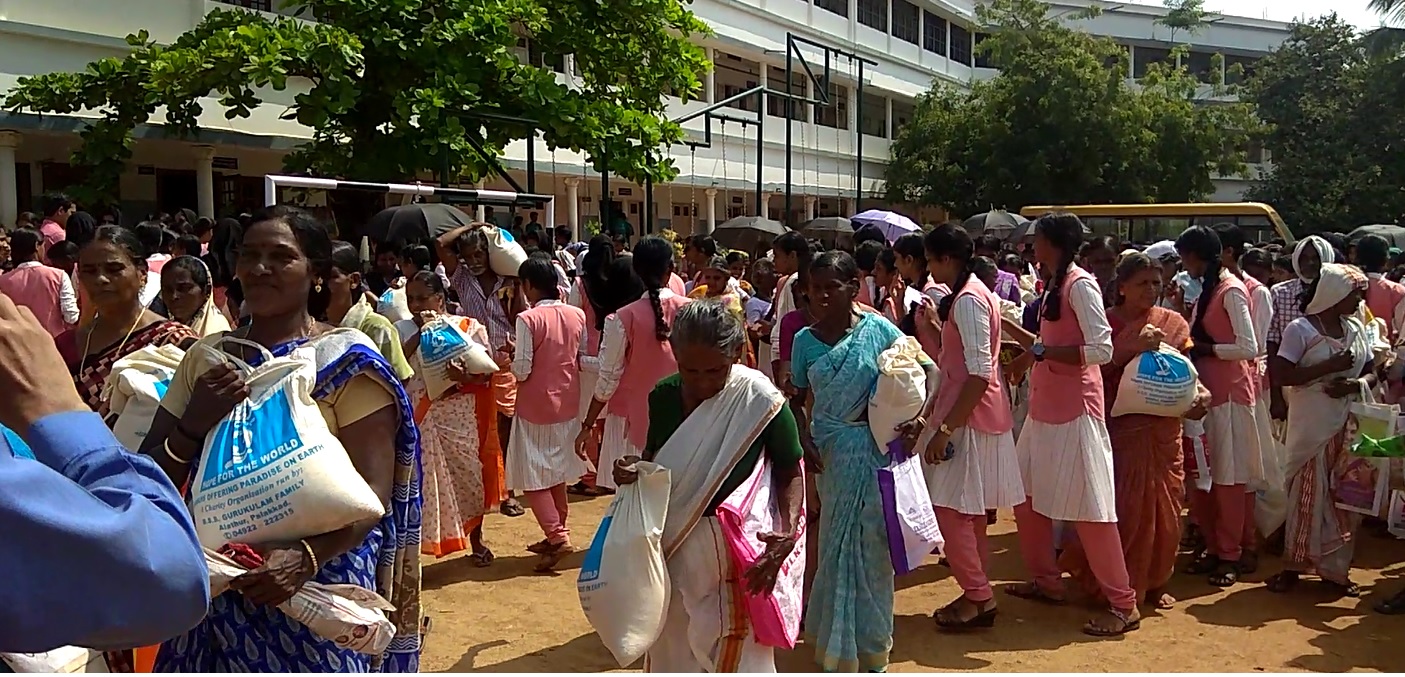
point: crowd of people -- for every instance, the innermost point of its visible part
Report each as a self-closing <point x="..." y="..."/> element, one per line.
<point x="719" y="365"/>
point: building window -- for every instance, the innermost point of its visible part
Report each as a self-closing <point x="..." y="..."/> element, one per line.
<point x="981" y="56"/>
<point x="733" y="75"/>
<point x="1237" y="69"/>
<point x="933" y="33"/>
<point x="776" y="104"/>
<point x="836" y="114"/>
<point x="902" y="114"/>
<point x="1143" y="57"/>
<point x="875" y="115"/>
<point x="1202" y="66"/>
<point x="960" y="45"/>
<point x="907" y="21"/>
<point x="261" y="5"/>
<point x="840" y="7"/>
<point x="874" y="14"/>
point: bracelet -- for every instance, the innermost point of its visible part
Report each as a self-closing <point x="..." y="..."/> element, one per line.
<point x="167" y="447"/>
<point x="310" y="554"/>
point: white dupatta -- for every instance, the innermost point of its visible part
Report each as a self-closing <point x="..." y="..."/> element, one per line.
<point x="709" y="444"/>
<point x="1314" y="417"/>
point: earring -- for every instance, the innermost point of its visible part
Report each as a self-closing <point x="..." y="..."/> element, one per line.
<point x="317" y="287"/>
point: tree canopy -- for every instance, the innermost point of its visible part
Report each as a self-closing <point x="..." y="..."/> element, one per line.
<point x="392" y="83"/>
<point x="1335" y="111"/>
<point x="1061" y="124"/>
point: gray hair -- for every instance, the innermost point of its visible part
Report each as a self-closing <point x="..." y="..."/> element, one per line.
<point x="710" y="323"/>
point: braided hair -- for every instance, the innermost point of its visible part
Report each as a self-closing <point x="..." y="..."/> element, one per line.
<point x="948" y="241"/>
<point x="593" y="276"/>
<point x="1202" y="243"/>
<point x="1064" y="232"/>
<point x="653" y="261"/>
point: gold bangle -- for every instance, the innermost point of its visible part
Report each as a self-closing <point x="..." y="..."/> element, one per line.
<point x="310" y="554"/>
<point x="167" y="447"/>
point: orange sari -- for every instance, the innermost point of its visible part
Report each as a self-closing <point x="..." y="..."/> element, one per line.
<point x="1146" y="471"/>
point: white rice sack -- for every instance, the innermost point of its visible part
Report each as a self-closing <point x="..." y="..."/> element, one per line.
<point x="351" y="616"/>
<point x="271" y="470"/>
<point x="900" y="392"/>
<point x="623" y="584"/>
<point x="134" y="390"/>
<point x="63" y="660"/>
<point x="442" y="341"/>
<point x="505" y="255"/>
<point x="1157" y="382"/>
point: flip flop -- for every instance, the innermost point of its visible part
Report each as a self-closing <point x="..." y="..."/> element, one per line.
<point x="1034" y="593"/>
<point x="552" y="557"/>
<point x="1128" y="624"/>
<point x="481" y="559"/>
<point x="512" y="508"/>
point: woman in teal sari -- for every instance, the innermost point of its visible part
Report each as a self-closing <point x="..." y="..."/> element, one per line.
<point x="285" y="262"/>
<point x="849" y="615"/>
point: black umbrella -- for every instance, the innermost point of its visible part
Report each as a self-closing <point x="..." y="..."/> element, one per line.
<point x="414" y="222"/>
<point x="1025" y="231"/>
<point x="831" y="230"/>
<point x="748" y="233"/>
<point x="997" y="222"/>
<point x="1395" y="235"/>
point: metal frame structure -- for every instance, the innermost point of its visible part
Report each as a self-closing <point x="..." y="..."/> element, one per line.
<point x="501" y="198"/>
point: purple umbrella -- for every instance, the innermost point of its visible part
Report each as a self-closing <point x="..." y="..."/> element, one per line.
<point x="894" y="225"/>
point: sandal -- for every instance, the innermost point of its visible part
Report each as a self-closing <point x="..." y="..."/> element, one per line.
<point x="1034" y="593"/>
<point x="1347" y="589"/>
<point x="1192" y="539"/>
<point x="579" y="489"/>
<point x="481" y="558"/>
<point x="1127" y="621"/>
<point x="949" y="616"/>
<point x="1393" y="605"/>
<point x="511" y="508"/>
<point x="1283" y="581"/>
<point x="553" y="556"/>
<point x="1202" y="563"/>
<point x="539" y="547"/>
<point x="1248" y="562"/>
<point x="1226" y="575"/>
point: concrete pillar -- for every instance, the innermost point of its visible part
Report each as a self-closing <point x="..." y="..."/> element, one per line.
<point x="711" y="210"/>
<point x="810" y="203"/>
<point x="205" y="181"/>
<point x="709" y="82"/>
<point x="766" y="207"/>
<point x="9" y="182"/>
<point x="573" y="207"/>
<point x="481" y="213"/>
<point x="888" y="120"/>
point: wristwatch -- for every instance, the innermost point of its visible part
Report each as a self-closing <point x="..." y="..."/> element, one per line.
<point x="945" y="430"/>
<point x="1037" y="350"/>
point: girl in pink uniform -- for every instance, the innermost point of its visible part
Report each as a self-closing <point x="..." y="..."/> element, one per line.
<point x="1224" y="350"/>
<point x="634" y="355"/>
<point x="1064" y="451"/>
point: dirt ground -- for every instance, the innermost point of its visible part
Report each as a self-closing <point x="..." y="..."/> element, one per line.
<point x="505" y="618"/>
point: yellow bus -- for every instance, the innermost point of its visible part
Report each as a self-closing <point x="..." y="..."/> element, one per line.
<point x="1148" y="223"/>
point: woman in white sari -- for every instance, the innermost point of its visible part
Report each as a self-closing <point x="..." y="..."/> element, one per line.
<point x="1324" y="362"/>
<point x="716" y="425"/>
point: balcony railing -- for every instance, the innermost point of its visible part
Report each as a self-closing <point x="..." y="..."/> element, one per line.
<point x="261" y="5"/>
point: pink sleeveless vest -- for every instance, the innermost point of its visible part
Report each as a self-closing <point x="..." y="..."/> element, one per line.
<point x="38" y="288"/>
<point x="646" y="361"/>
<point x="992" y="414"/>
<point x="677" y="286"/>
<point x="552" y="394"/>
<point x="592" y="335"/>
<point x="866" y="290"/>
<point x="1228" y="380"/>
<point x="1251" y="284"/>
<point x="1060" y="393"/>
<point x="930" y="338"/>
<point x="1382" y="296"/>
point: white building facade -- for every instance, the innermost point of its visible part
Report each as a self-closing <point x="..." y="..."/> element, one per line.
<point x="908" y="44"/>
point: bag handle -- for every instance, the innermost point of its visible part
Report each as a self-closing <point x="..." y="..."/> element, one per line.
<point x="226" y="358"/>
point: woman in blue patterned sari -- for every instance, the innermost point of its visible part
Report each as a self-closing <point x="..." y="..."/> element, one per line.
<point x="849" y="616"/>
<point x="284" y="260"/>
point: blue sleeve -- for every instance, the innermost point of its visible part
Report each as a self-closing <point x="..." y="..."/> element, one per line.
<point x="801" y="357"/>
<point x="101" y="551"/>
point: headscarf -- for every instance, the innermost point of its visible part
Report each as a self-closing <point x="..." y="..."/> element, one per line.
<point x="1160" y="250"/>
<point x="210" y="320"/>
<point x="1334" y="284"/>
<point x="1324" y="252"/>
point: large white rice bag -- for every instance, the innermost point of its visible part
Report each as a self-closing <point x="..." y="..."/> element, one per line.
<point x="1157" y="382"/>
<point x="505" y="256"/>
<point x="271" y="470"/>
<point x="441" y="341"/>
<point x="623" y="584"/>
<point x="63" y="660"/>
<point x="900" y="392"/>
<point x="134" y="390"/>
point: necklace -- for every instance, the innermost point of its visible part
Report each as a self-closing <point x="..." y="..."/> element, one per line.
<point x="88" y="342"/>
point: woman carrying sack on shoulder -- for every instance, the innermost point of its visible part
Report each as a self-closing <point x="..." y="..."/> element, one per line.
<point x="458" y="432"/>
<point x="284" y="263"/>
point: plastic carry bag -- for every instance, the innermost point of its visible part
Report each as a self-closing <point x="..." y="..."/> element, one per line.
<point x="272" y="470"/>
<point x="907" y="511"/>
<point x="134" y="389"/>
<point x="623" y="584"/>
<point x="746" y="513"/>
<point x="900" y="392"/>
<point x="64" y="660"/>
<point x="443" y="340"/>
<point x="505" y="255"/>
<point x="1196" y="451"/>
<point x="1158" y="383"/>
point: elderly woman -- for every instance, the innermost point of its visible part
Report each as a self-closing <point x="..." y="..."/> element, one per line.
<point x="713" y="423"/>
<point x="1324" y="363"/>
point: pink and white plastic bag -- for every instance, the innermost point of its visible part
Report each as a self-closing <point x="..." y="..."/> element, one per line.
<point x="749" y="511"/>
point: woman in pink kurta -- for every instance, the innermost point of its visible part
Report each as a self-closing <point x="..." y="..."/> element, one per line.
<point x="1225" y="350"/>
<point x="969" y="417"/>
<point x="911" y="257"/>
<point x="634" y="355"/>
<point x="1064" y="451"/>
